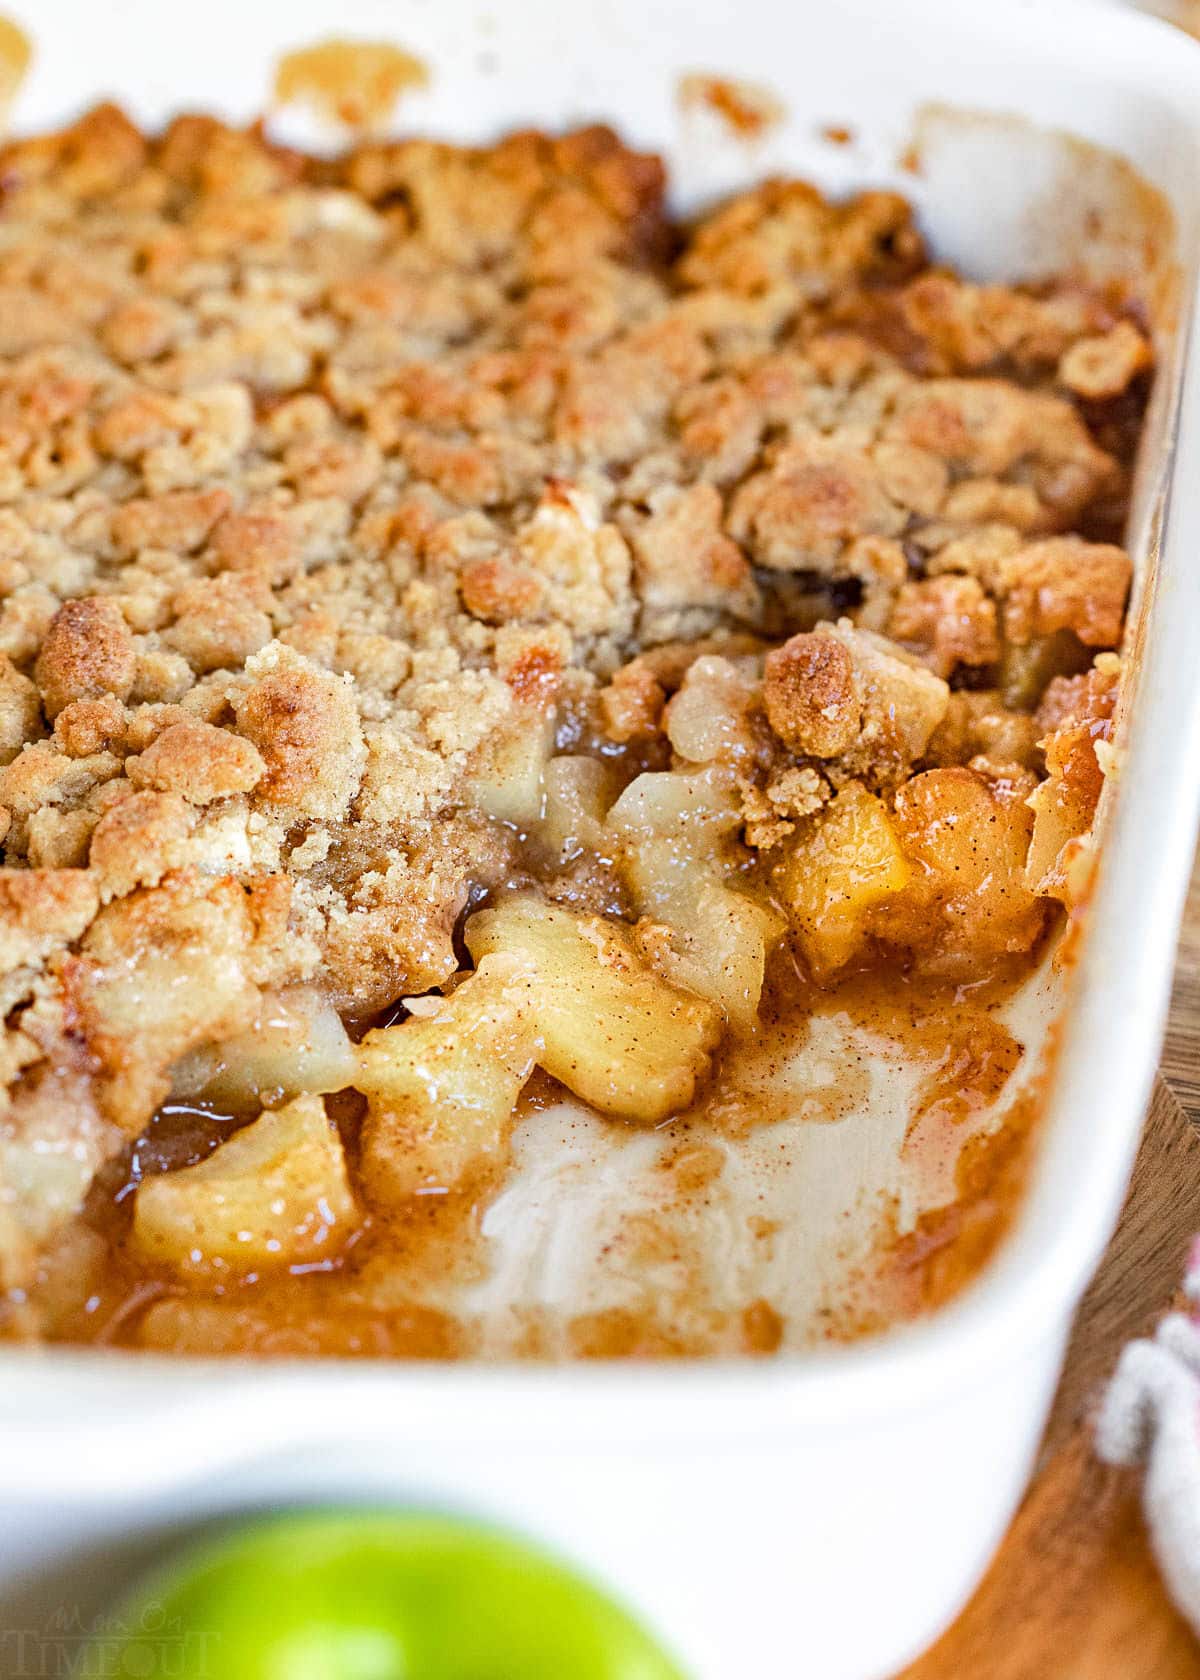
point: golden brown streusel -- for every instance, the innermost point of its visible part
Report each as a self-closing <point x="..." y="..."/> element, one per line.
<point x="335" y="497"/>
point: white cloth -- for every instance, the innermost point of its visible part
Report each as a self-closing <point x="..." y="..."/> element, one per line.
<point x="1151" y="1416"/>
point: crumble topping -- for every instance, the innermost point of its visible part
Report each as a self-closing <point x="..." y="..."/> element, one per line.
<point x="344" y="504"/>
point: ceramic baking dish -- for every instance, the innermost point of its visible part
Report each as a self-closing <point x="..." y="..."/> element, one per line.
<point x="817" y="1515"/>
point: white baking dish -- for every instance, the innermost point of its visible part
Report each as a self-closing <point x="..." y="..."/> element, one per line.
<point x="822" y="1516"/>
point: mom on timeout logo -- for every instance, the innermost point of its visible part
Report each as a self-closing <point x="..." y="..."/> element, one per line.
<point x="69" y="1646"/>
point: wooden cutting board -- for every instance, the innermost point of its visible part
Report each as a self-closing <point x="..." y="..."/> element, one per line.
<point x="1073" y="1593"/>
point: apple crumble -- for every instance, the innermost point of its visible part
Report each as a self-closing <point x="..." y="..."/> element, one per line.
<point x="470" y="644"/>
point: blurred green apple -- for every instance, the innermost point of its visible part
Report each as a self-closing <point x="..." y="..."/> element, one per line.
<point x="369" y="1595"/>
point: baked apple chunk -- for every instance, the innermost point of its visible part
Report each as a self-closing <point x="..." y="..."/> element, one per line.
<point x="615" y="1033"/>
<point x="275" y="1194"/>
<point x="441" y="1087"/>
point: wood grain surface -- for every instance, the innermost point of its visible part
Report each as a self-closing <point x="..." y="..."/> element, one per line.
<point x="1073" y="1593"/>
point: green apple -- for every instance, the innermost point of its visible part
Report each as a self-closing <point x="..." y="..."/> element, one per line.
<point x="371" y="1595"/>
